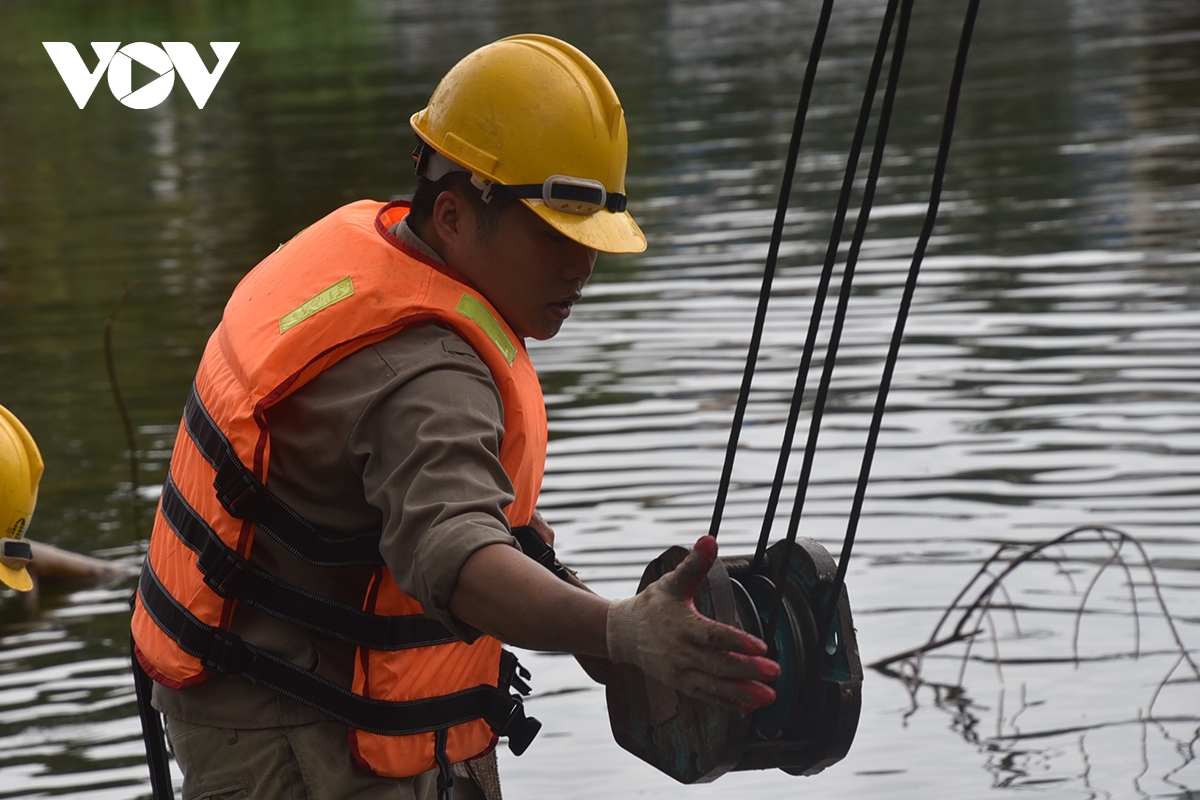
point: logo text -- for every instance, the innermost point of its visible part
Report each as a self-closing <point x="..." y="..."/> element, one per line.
<point x="118" y="61"/>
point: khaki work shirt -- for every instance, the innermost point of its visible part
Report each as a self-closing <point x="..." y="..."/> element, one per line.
<point x="402" y="437"/>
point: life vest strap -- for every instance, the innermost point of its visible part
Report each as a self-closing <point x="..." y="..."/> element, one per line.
<point x="232" y="576"/>
<point x="534" y="546"/>
<point x="226" y="653"/>
<point x="245" y="497"/>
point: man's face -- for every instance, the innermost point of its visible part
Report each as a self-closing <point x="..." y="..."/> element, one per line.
<point x="530" y="272"/>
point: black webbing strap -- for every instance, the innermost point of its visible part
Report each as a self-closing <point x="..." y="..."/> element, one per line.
<point x="225" y="653"/>
<point x="536" y="548"/>
<point x="445" y="777"/>
<point x="232" y="576"/>
<point x="245" y="497"/>
<point x="152" y="732"/>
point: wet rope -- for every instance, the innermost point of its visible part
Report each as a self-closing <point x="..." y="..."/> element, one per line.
<point x="764" y="295"/>
<point x="821" y="295"/>
<point x="822" y="292"/>
<point x="935" y="196"/>
<point x="860" y="227"/>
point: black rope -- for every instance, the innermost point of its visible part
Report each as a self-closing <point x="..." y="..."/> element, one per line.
<point x="764" y="294"/>
<point x="822" y="292"/>
<point x="821" y="295"/>
<point x="935" y="196"/>
<point x="868" y="199"/>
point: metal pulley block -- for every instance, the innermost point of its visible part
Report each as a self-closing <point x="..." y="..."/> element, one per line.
<point x="813" y="720"/>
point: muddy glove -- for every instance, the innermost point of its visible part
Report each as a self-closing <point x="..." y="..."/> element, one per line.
<point x="661" y="633"/>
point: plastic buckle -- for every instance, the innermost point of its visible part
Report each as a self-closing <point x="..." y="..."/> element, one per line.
<point x="484" y="187"/>
<point x="221" y="651"/>
<point x="224" y="572"/>
<point x="520" y="729"/>
<point x="536" y="548"/>
<point x="445" y="778"/>
<point x="512" y="674"/>
<point x="445" y="785"/>
<point x="508" y="666"/>
<point x="519" y="680"/>
<point x="506" y="717"/>
<point x="239" y="492"/>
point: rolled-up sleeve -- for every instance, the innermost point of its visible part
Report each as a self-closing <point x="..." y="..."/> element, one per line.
<point x="428" y="445"/>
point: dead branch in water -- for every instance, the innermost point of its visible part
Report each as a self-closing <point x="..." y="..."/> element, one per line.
<point x="109" y="322"/>
<point x="975" y="616"/>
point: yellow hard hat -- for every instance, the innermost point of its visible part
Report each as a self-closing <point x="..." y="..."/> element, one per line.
<point x="533" y="117"/>
<point x="20" y="472"/>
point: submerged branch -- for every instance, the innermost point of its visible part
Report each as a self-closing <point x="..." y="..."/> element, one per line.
<point x="109" y="363"/>
<point x="921" y="649"/>
<point x="977" y="613"/>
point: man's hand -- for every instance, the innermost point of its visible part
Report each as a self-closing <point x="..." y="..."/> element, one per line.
<point x="661" y="632"/>
<point x="539" y="524"/>
<point x="505" y="593"/>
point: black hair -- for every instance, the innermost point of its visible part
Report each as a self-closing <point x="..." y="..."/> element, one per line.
<point x="486" y="214"/>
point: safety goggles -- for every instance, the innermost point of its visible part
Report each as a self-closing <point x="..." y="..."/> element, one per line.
<point x="15" y="553"/>
<point x="581" y="196"/>
<point x="563" y="193"/>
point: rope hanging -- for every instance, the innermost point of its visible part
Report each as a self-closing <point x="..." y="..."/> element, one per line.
<point x="800" y="608"/>
<point x="910" y="286"/>
<point x="822" y="292"/>
<point x="839" y="318"/>
<point x="764" y="294"/>
<point x="844" y="292"/>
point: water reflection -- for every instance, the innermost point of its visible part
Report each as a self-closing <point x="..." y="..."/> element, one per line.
<point x="1048" y="378"/>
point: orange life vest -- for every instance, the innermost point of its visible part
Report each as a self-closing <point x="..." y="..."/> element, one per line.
<point x="420" y="697"/>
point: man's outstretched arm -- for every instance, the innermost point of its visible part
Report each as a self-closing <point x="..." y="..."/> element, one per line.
<point x="502" y="592"/>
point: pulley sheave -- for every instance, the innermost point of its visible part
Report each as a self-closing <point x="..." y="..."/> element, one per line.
<point x="812" y="722"/>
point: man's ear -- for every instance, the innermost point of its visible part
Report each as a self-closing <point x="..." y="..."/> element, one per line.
<point x="453" y="218"/>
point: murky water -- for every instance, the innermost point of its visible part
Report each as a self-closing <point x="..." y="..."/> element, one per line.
<point x="1049" y="377"/>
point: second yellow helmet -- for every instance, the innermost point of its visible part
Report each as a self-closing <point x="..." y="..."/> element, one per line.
<point x="20" y="473"/>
